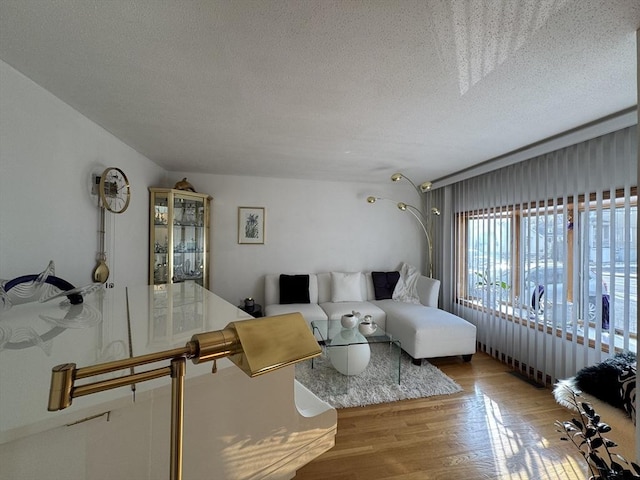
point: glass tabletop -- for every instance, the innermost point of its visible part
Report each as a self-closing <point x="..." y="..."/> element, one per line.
<point x="349" y="357"/>
<point x="327" y="330"/>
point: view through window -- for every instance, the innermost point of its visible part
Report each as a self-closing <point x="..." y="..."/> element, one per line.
<point x="568" y="264"/>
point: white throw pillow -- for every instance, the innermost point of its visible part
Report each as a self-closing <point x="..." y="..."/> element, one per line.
<point x="407" y="287"/>
<point x="345" y="287"/>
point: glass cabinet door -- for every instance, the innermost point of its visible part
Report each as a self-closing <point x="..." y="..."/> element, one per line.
<point x="179" y="237"/>
<point x="160" y="238"/>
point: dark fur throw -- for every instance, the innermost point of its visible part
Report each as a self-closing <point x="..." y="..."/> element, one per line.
<point x="602" y="380"/>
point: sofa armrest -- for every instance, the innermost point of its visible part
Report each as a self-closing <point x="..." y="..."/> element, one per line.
<point x="428" y="291"/>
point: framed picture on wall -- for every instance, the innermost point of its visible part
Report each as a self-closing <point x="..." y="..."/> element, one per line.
<point x="251" y="225"/>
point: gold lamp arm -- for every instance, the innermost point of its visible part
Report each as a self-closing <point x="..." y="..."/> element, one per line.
<point x="63" y="377"/>
<point x="420" y="217"/>
<point x="422" y="188"/>
<point x="257" y="346"/>
<point x="424" y="221"/>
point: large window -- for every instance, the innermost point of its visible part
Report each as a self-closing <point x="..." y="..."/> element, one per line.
<point x="568" y="264"/>
<point x="544" y="259"/>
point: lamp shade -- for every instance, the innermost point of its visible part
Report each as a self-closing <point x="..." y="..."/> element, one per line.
<point x="425" y="187"/>
<point x="273" y="342"/>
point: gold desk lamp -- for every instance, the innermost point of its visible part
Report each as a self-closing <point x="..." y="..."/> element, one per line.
<point x="257" y="346"/>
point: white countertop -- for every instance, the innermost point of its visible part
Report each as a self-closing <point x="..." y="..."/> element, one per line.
<point x="35" y="337"/>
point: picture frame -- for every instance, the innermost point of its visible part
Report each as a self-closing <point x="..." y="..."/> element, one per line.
<point x="251" y="222"/>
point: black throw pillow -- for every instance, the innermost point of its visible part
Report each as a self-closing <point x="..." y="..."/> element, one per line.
<point x="294" y="289"/>
<point x="384" y="283"/>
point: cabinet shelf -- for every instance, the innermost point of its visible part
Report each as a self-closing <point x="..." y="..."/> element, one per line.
<point x="180" y="253"/>
<point x="195" y="225"/>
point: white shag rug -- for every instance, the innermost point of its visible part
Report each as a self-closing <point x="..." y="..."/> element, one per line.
<point x="374" y="385"/>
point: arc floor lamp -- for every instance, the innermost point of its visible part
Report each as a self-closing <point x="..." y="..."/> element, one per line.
<point x="423" y="214"/>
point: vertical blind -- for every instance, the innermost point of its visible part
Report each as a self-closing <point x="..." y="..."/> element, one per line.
<point x="545" y="261"/>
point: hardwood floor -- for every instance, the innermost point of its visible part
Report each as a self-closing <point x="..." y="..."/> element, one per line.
<point x="499" y="427"/>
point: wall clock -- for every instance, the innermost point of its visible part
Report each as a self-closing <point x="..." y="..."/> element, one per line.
<point x="115" y="193"/>
<point x="114" y="190"/>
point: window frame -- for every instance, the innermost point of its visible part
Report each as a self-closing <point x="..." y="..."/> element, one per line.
<point x="569" y="206"/>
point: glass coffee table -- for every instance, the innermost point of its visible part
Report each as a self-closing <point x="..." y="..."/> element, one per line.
<point x="347" y="354"/>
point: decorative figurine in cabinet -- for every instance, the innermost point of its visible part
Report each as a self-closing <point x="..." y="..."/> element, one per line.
<point x="178" y="236"/>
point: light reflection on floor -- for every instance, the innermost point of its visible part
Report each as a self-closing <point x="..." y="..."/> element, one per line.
<point x="516" y="448"/>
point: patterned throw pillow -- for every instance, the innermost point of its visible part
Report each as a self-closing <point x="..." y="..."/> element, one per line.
<point x="627" y="381"/>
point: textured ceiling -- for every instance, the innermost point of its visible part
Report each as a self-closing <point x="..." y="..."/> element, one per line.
<point x="328" y="90"/>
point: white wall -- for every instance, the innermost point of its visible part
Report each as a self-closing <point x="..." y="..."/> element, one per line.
<point x="47" y="154"/>
<point x="310" y="227"/>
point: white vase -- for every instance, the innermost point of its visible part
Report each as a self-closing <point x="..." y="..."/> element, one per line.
<point x="346" y="355"/>
<point x="367" y="328"/>
<point x="349" y="320"/>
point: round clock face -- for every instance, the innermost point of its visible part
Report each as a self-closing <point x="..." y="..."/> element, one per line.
<point x="114" y="190"/>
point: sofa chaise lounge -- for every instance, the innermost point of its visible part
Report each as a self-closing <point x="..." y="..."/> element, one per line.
<point x="424" y="330"/>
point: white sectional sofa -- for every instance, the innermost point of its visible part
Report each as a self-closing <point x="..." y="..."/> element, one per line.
<point x="424" y="330"/>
